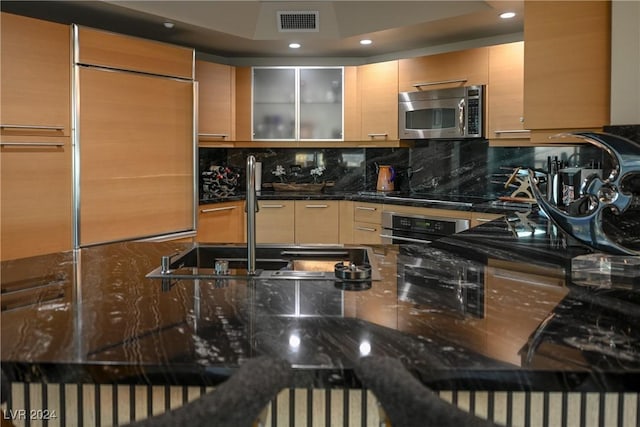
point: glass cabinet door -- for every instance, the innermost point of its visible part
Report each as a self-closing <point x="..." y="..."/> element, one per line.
<point x="274" y="103"/>
<point x="320" y="103"/>
<point x="297" y="103"/>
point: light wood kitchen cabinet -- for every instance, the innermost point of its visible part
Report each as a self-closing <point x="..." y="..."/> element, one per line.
<point x="35" y="151"/>
<point x="136" y="141"/>
<point x="221" y="223"/>
<point x="317" y="221"/>
<point x="275" y="221"/>
<point x="452" y="69"/>
<point x="35" y="78"/>
<point x="121" y="52"/>
<point x="216" y="102"/>
<point x="505" y="92"/>
<point x="367" y="223"/>
<point x="567" y="61"/>
<point x="36" y="196"/>
<point x="378" y="91"/>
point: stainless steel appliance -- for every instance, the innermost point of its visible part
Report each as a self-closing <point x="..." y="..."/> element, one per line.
<point x="442" y="113"/>
<point x="410" y="228"/>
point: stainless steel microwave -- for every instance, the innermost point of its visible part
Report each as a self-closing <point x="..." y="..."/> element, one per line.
<point x="442" y="113"/>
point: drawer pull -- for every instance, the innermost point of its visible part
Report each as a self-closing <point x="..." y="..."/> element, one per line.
<point x="227" y="208"/>
<point x="213" y="135"/>
<point x="272" y="206"/>
<point x="442" y="82"/>
<point x="483" y="220"/>
<point x="36" y="127"/>
<point x="366" y="229"/>
<point x="32" y="144"/>
<point x="377" y="135"/>
<point x="365" y="208"/>
<point x="316" y="206"/>
<point x="512" y="131"/>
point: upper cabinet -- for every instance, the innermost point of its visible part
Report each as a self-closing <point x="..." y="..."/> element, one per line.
<point x="505" y="117"/>
<point x="35" y="151"/>
<point x="36" y="78"/>
<point x="460" y="68"/>
<point x="298" y="103"/>
<point x="378" y="91"/>
<point x="567" y="61"/>
<point x="216" y="102"/>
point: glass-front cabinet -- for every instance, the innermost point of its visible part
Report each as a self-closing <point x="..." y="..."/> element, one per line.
<point x="298" y="103"/>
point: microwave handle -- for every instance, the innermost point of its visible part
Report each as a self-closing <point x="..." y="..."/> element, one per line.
<point x="461" y="116"/>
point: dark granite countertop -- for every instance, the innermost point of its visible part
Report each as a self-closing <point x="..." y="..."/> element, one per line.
<point x="461" y="202"/>
<point x="494" y="308"/>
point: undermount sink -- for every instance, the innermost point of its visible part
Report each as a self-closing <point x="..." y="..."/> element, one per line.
<point x="309" y="262"/>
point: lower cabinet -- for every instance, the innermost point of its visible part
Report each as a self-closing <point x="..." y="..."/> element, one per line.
<point x="36" y="208"/>
<point x="317" y="221"/>
<point x="221" y="223"/>
<point x="275" y="221"/>
<point x="367" y="223"/>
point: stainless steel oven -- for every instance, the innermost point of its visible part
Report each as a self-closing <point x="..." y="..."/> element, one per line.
<point x="410" y="228"/>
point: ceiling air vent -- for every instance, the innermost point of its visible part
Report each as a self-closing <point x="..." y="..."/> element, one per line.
<point x="298" y="21"/>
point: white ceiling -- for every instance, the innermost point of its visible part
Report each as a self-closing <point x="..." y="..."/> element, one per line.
<point x="247" y="29"/>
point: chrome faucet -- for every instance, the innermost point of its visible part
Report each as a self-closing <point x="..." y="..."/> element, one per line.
<point x="251" y="207"/>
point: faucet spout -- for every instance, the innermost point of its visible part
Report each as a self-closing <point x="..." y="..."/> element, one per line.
<point x="251" y="208"/>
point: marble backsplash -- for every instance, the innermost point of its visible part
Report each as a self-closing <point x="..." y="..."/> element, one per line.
<point x="467" y="167"/>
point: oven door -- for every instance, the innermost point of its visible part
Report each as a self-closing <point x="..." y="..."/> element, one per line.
<point x="436" y="118"/>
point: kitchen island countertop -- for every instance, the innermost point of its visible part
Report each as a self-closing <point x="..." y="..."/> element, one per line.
<point x="493" y="308"/>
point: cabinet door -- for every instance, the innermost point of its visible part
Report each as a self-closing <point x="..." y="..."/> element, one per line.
<point x="216" y="93"/>
<point x="378" y="87"/>
<point x="275" y="221"/>
<point x="461" y="68"/>
<point x="36" y="196"/>
<point x="321" y="104"/>
<point x="567" y="61"/>
<point x="479" y="218"/>
<point x="274" y="103"/>
<point x="136" y="156"/>
<point x="221" y="223"/>
<point x="35" y="81"/>
<point x="317" y="221"/>
<point x="506" y="92"/>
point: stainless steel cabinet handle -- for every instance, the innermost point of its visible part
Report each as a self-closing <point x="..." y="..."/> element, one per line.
<point x="271" y="206"/>
<point x="366" y="229"/>
<point x="214" y="135"/>
<point x="483" y="220"/>
<point x="374" y="135"/>
<point x="226" y="208"/>
<point x="511" y="131"/>
<point x="404" y="239"/>
<point x="316" y="206"/>
<point x="442" y="82"/>
<point x="32" y="144"/>
<point x="365" y="208"/>
<point x="38" y="127"/>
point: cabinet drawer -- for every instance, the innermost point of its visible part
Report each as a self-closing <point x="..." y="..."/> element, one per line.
<point x="35" y="78"/>
<point x="367" y="212"/>
<point x="366" y="233"/>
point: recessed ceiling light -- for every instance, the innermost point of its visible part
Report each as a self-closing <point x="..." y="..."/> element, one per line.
<point x="168" y="24"/>
<point x="365" y="42"/>
<point x="507" y="15"/>
<point x="294" y="45"/>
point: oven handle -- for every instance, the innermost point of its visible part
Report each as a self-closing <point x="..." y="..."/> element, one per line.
<point x="406" y="239"/>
